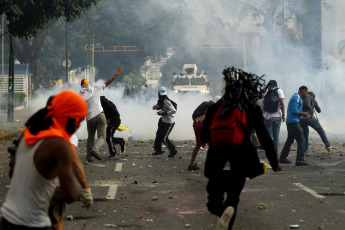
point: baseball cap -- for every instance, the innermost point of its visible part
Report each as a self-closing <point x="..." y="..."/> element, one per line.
<point x="162" y="91"/>
<point x="272" y="83"/>
<point x="84" y="83"/>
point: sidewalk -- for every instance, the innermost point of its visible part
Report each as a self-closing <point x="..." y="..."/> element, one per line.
<point x="20" y="116"/>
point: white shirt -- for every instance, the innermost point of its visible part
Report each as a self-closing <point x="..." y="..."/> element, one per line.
<point x="92" y="97"/>
<point x="278" y="113"/>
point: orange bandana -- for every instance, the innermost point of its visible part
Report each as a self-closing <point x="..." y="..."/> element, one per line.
<point x="64" y="105"/>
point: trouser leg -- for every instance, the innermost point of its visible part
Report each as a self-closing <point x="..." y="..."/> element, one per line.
<point x="304" y="124"/>
<point x="289" y="141"/>
<point x="230" y="184"/>
<point x="159" y="136"/>
<point x="276" y="122"/>
<point x="315" y="124"/>
<point x="110" y="133"/>
<point x="166" y="140"/>
<point x="101" y="132"/>
<point x="300" y="142"/>
<point x="91" y="132"/>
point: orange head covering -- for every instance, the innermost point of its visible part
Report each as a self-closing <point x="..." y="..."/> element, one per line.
<point x="52" y="120"/>
<point x="84" y="83"/>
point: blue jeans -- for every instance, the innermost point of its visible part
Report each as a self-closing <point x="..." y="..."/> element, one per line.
<point x="315" y="124"/>
<point x="273" y="128"/>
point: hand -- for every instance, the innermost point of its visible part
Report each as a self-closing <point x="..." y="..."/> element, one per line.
<point x="279" y="168"/>
<point x="86" y="198"/>
<point x="154" y="107"/>
<point x="161" y="113"/>
<point x="283" y="118"/>
<point x="119" y="71"/>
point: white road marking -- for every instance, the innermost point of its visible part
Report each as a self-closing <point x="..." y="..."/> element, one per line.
<point x="111" y="192"/>
<point x="312" y="192"/>
<point x="118" y="167"/>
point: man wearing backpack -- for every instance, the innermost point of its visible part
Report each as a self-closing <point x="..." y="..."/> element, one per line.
<point x="167" y="108"/>
<point x="231" y="156"/>
<point x="294" y="129"/>
<point x="310" y="105"/>
<point x="274" y="111"/>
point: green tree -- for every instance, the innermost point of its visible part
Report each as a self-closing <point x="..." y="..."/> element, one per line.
<point x="29" y="19"/>
<point x="133" y="78"/>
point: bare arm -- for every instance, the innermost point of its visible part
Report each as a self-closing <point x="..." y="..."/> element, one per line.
<point x="64" y="156"/>
<point x="282" y="107"/>
<point x="110" y="80"/>
<point x="78" y="169"/>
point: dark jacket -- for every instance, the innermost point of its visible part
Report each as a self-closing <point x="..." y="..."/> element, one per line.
<point x="110" y="111"/>
<point x="244" y="159"/>
<point x="309" y="104"/>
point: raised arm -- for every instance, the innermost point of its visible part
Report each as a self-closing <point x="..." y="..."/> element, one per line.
<point x="110" y="80"/>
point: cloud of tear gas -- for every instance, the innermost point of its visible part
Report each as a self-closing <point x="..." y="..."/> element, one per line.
<point x="217" y="21"/>
<point x="292" y="66"/>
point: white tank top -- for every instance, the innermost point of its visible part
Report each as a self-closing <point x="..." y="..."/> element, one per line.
<point x="28" y="198"/>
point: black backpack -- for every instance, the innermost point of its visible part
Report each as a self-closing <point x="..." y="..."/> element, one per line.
<point x="271" y="100"/>
<point x="173" y="103"/>
<point x="201" y="109"/>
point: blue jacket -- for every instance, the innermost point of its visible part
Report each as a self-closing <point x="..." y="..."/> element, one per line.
<point x="294" y="107"/>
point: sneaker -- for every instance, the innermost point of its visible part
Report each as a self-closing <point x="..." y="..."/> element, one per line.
<point x="172" y="154"/>
<point x="193" y="167"/>
<point x="224" y="220"/>
<point x="89" y="159"/>
<point x="115" y="155"/>
<point x="284" y="161"/>
<point x="123" y="146"/>
<point x="330" y="148"/>
<point x="157" y="153"/>
<point x="301" y="163"/>
<point x="93" y="153"/>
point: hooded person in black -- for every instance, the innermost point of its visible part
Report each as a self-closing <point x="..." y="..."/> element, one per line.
<point x="227" y="167"/>
<point x="113" y="122"/>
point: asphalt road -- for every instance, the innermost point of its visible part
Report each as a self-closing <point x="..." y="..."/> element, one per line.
<point x="140" y="191"/>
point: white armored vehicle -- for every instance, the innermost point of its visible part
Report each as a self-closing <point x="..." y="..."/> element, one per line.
<point x="190" y="81"/>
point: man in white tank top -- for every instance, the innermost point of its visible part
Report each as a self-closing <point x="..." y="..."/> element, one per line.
<point x="43" y="156"/>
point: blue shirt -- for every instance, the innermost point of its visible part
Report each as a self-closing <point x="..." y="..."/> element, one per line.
<point x="294" y="108"/>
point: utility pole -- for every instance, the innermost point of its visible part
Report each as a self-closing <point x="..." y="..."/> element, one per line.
<point x="2" y="57"/>
<point x="10" y="91"/>
<point x="99" y="48"/>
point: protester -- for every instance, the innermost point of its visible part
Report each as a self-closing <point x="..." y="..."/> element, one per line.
<point x="165" y="124"/>
<point x="274" y="111"/>
<point x="228" y="165"/>
<point x="294" y="129"/>
<point x="310" y="105"/>
<point x="113" y="122"/>
<point x="95" y="119"/>
<point x="44" y="155"/>
<point x="198" y="117"/>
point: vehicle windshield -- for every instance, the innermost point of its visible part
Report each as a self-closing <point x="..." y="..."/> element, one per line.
<point x="189" y="70"/>
<point x="181" y="81"/>
<point x="198" y="81"/>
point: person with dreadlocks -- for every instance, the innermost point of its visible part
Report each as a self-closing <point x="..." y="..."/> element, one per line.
<point x="228" y="165"/>
<point x="44" y="155"/>
<point x="165" y="124"/>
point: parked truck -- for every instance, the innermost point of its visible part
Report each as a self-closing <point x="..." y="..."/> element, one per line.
<point x="190" y="81"/>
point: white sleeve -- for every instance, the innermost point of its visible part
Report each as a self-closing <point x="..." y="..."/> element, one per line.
<point x="74" y="140"/>
<point x="280" y="93"/>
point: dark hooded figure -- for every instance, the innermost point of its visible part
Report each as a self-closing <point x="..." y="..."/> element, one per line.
<point x="113" y="121"/>
<point x="227" y="167"/>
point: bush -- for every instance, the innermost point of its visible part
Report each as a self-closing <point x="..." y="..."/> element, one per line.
<point x="18" y="100"/>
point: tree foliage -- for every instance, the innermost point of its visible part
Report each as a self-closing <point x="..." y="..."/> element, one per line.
<point x="26" y="18"/>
